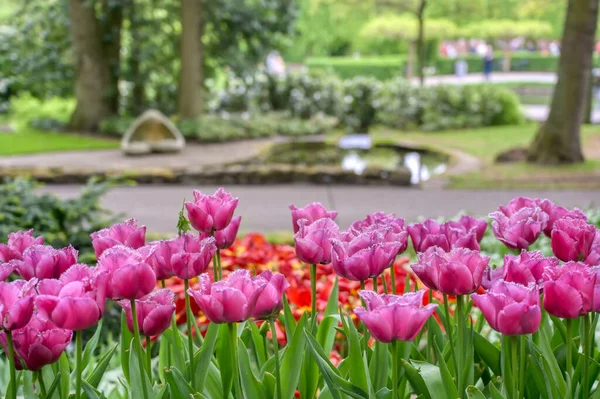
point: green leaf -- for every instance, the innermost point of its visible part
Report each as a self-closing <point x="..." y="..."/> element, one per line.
<point x="176" y="348"/>
<point x="416" y="380"/>
<point x="251" y="387"/>
<point x="448" y="381"/>
<point x="495" y="392"/>
<point x="224" y="354"/>
<point x="258" y="345"/>
<point x="550" y="361"/>
<point x="177" y="384"/>
<point x="139" y="380"/>
<point x="54" y="386"/>
<point x="355" y="355"/>
<point x="124" y="343"/>
<point x="333" y="301"/>
<point x="474" y="393"/>
<point x="433" y="379"/>
<point x="65" y="375"/>
<point x="91" y="345"/>
<point x="204" y="355"/>
<point x="291" y="364"/>
<point x="288" y="319"/>
<point x="90" y="391"/>
<point x="96" y="375"/>
<point x="183" y="224"/>
<point x="487" y="352"/>
<point x="379" y="368"/>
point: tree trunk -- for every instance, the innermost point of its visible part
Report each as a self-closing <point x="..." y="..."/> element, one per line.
<point x="92" y="70"/>
<point x="421" y="42"/>
<point x="137" y="99"/>
<point x="191" y="77"/>
<point x="113" y="23"/>
<point x="557" y="140"/>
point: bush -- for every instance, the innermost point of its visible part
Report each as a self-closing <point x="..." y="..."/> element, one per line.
<point x="116" y="126"/>
<point x="360" y="103"/>
<point x="313" y="93"/>
<point x="26" y="108"/>
<point x="382" y="68"/>
<point x="400" y="104"/>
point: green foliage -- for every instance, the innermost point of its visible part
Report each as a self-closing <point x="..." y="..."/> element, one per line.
<point x="28" y="110"/>
<point x="360" y="103"/>
<point x="505" y="28"/>
<point x="382" y="68"/>
<point x="406" y="27"/>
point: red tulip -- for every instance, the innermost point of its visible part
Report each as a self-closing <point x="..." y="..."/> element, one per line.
<point x="572" y="239"/>
<point x="129" y="276"/>
<point x="313" y="240"/>
<point x="569" y="290"/>
<point x="211" y="212"/>
<point x="127" y="233"/>
<point x="511" y="309"/>
<point x="17" y="243"/>
<point x="311" y="212"/>
<point x="556" y="212"/>
<point x="270" y="301"/>
<point x="520" y="228"/>
<point x="16" y="303"/>
<point x="394" y="317"/>
<point x="43" y="261"/>
<point x="225" y="238"/>
<point x="154" y="312"/>
<point x="527" y="268"/>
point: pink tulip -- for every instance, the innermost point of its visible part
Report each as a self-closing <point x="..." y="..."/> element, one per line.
<point x="185" y="256"/>
<point x="311" y="212"/>
<point x="127" y="233"/>
<point x="38" y="344"/>
<point x="463" y="233"/>
<point x="129" y="276"/>
<point x="526" y="268"/>
<point x="518" y="229"/>
<point x="428" y="234"/>
<point x="518" y="203"/>
<point x="390" y="226"/>
<point x="593" y="259"/>
<point x="468" y="223"/>
<point x="511" y="309"/>
<point x="154" y="312"/>
<point x="230" y="300"/>
<point x="569" y="290"/>
<point x="76" y="300"/>
<point x="313" y="240"/>
<point x="211" y="212"/>
<point x="572" y="239"/>
<point x="270" y="301"/>
<point x="225" y="238"/>
<point x="458" y="272"/>
<point x="43" y="261"/>
<point x="394" y="317"/>
<point x="17" y="243"/>
<point x="556" y="212"/>
<point x="364" y="257"/>
<point x="16" y="303"/>
<point x="6" y="269"/>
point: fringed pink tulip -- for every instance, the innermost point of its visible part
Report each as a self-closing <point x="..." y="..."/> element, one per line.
<point x="468" y="223"/>
<point x="38" y="344"/>
<point x="16" y="304"/>
<point x="463" y="233"/>
<point x="270" y="301"/>
<point x="569" y="290"/>
<point x="210" y="213"/>
<point x="526" y="268"/>
<point x="593" y="259"/>
<point x="230" y="300"/>
<point x="226" y="237"/>
<point x="511" y="309"/>
<point x="572" y="239"/>
<point x="186" y="256"/>
<point x="389" y="225"/>
<point x="127" y="233"/>
<point x="43" y="261"/>
<point x="458" y="272"/>
<point x="556" y="212"/>
<point x="428" y="234"/>
<point x="394" y="317"/>
<point x="129" y="276"/>
<point x="17" y="243"/>
<point x="154" y="312"/>
<point x="518" y="229"/>
<point x="313" y="240"/>
<point x="311" y="212"/>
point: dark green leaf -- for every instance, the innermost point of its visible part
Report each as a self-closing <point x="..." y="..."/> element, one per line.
<point x="96" y="375"/>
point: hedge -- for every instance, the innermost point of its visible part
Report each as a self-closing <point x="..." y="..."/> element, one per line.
<point x="382" y="68"/>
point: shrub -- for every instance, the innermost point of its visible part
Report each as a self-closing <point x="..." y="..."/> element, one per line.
<point x="313" y="93"/>
<point x="382" y="68"/>
<point x="116" y="126"/>
<point x="400" y="104"/>
<point x="359" y="107"/>
<point x="26" y="108"/>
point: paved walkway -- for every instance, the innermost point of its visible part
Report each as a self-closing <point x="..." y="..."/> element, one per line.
<point x="540" y="113"/>
<point x="265" y="208"/>
<point x="496" y="77"/>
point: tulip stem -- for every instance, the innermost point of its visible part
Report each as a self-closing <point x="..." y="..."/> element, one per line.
<point x="79" y="366"/>
<point x="385" y="286"/>
<point x="234" y="359"/>
<point x="12" y="393"/>
<point x="363" y="327"/>
<point x="219" y="263"/>
<point x="40" y="378"/>
<point x="313" y="288"/>
<point x="460" y="340"/>
<point x="149" y="357"/>
<point x="449" y="332"/>
<point x="394" y="369"/>
<point x="375" y="285"/>
<point x="586" y="354"/>
<point x="138" y="343"/>
<point x="393" y="277"/>
<point x="276" y="350"/>
<point x="431" y="350"/>
<point x="163" y="284"/>
<point x="522" y="361"/>
<point x="514" y="344"/>
<point x="188" y="319"/>
<point x="569" y="344"/>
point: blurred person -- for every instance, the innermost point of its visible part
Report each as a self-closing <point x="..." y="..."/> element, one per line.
<point x="554" y="48"/>
<point x="275" y="64"/>
<point x="488" y="62"/>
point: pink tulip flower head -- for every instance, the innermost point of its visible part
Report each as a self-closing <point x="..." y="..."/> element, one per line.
<point x="154" y="312"/>
<point x="226" y="237"/>
<point x="572" y="239"/>
<point x="511" y="309"/>
<point x="526" y="268"/>
<point x="468" y="224"/>
<point x="311" y="212"/>
<point x="556" y="212"/>
<point x="458" y="272"/>
<point x="230" y="300"/>
<point x="17" y="243"/>
<point x="16" y="303"/>
<point x="518" y="228"/>
<point x="313" y="240"/>
<point x="569" y="290"/>
<point x="38" y="344"/>
<point x="394" y="317"/>
<point x="364" y="257"/>
<point x="518" y="203"/>
<point x="593" y="259"/>
<point x="76" y="300"/>
<point x="270" y="301"/>
<point x="428" y="234"/>
<point x="210" y="213"/>
<point x="129" y="276"/>
<point x="43" y="261"/>
<point x="185" y="256"/>
<point x="389" y="225"/>
<point x="127" y="233"/>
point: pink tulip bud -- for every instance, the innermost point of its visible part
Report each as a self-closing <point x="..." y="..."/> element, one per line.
<point x="16" y="303"/>
<point x="572" y="239"/>
<point x="127" y="233"/>
<point x="129" y="276"/>
<point x="364" y="257"/>
<point x="185" y="256"/>
<point x="428" y="234"/>
<point x="311" y="212"/>
<point x="154" y="312"/>
<point x="390" y="226"/>
<point x="313" y="240"/>
<point x="226" y="237"/>
<point x="38" y="344"/>
<point x="270" y="301"/>
<point x="569" y="290"/>
<point x="43" y="261"/>
<point x="458" y="272"/>
<point x="211" y="212"/>
<point x="468" y="223"/>
<point x="527" y="268"/>
<point x="230" y="300"/>
<point x="556" y="212"/>
<point x="75" y="301"/>
<point x="511" y="309"/>
<point x="17" y="243"/>
<point x="518" y="228"/>
<point x="394" y="317"/>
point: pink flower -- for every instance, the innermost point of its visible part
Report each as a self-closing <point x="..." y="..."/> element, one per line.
<point x="185" y="256"/>
<point x="127" y="233"/>
<point x="572" y="239"/>
<point x="365" y="256"/>
<point x="230" y="300"/>
<point x="313" y="240"/>
<point x="518" y="203"/>
<point x="468" y="223"/>
<point x="154" y="312"/>
<point x="211" y="212"/>
<point x="569" y="290"/>
<point x="389" y="225"/>
<point x="556" y="212"/>
<point x="129" y="276"/>
<point x="43" y="261"/>
<point x="520" y="228"/>
<point x="593" y="259"/>
<point x="270" y="301"/>
<point x="463" y="233"/>
<point x="458" y="272"/>
<point x="394" y="317"/>
<point x="225" y="238"/>
<point x="16" y="304"/>
<point x="511" y="309"/>
<point x="76" y="300"/>
<point x="311" y="212"/>
<point x="17" y="244"/>
<point x="38" y="344"/>
<point x="527" y="268"/>
<point x="428" y="234"/>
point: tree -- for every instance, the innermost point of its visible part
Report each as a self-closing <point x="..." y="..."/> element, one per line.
<point x="191" y="76"/>
<point x="557" y="140"/>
